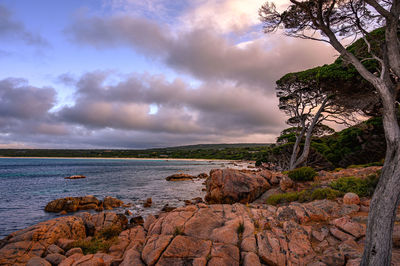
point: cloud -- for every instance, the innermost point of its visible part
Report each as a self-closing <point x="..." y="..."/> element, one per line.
<point x="208" y="109"/>
<point x="20" y="100"/>
<point x="224" y="16"/>
<point x="12" y="29"/>
<point x="203" y="52"/>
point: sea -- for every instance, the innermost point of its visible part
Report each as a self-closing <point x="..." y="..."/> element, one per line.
<point x="28" y="184"/>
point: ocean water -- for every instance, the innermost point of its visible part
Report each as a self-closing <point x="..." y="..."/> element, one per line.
<point x="27" y="185"/>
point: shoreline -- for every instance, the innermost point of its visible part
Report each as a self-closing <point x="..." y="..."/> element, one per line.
<point x="131" y="158"/>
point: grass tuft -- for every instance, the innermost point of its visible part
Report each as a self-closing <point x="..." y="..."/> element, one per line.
<point x="302" y="174"/>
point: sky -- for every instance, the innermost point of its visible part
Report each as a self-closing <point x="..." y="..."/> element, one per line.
<point x="142" y="73"/>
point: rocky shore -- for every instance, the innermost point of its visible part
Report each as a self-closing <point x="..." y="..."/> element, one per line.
<point x="320" y="232"/>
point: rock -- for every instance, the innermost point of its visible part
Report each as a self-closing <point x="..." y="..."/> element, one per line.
<point x="179" y="177"/>
<point x="137" y="220"/>
<point x="150" y="219"/>
<point x="132" y="238"/>
<point x="71" y="259"/>
<point x="54" y="249"/>
<point x="128" y="213"/>
<point x="148" y="203"/>
<point x="167" y="208"/>
<point x="19" y="247"/>
<point x="64" y="243"/>
<point x="230" y="186"/>
<point x="154" y="247"/>
<point x="340" y="234"/>
<point x="350" y="249"/>
<point x="333" y="257"/>
<point x="354" y="262"/>
<point x="132" y="257"/>
<point x="224" y="254"/>
<point x="351" y="198"/>
<point x="110" y="203"/>
<point x="55" y="258"/>
<point x="346" y="224"/>
<point x="286" y="183"/>
<point x="202" y="176"/>
<point x="183" y="249"/>
<point x="37" y="261"/>
<point x="73" y="204"/>
<point x="73" y="251"/>
<point x="320" y="235"/>
<point x="250" y="259"/>
<point x="90" y="260"/>
<point x="75" y="177"/>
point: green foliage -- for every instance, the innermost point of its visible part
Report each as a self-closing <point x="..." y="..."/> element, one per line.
<point x="203" y="151"/>
<point x="302" y="174"/>
<point x="240" y="228"/>
<point x="178" y="231"/>
<point x="318" y="194"/>
<point x="101" y="242"/>
<point x="94" y="245"/>
<point x="362" y="187"/>
<point x="282" y="198"/>
<point x="306" y="195"/>
<point x="109" y="232"/>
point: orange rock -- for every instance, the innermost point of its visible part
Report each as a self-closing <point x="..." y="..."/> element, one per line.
<point x="230" y="186"/>
<point x="110" y="202"/>
<point x="179" y="177"/>
<point x="184" y="249"/>
<point x="224" y="254"/>
<point x="250" y="259"/>
<point x="351" y="198"/>
<point x="349" y="226"/>
<point x="154" y="247"/>
<point x="21" y="246"/>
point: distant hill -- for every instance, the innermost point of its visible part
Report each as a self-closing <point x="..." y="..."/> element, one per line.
<point x="239" y="151"/>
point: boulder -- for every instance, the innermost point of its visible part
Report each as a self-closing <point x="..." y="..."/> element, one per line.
<point x="73" y="251"/>
<point x="55" y="258"/>
<point x="179" y="177"/>
<point x="148" y="203"/>
<point x="347" y="225"/>
<point x="73" y="204"/>
<point x="20" y="246"/>
<point x="230" y="186"/>
<point x="351" y="198"/>
<point x="54" y="249"/>
<point x="286" y="183"/>
<point x="137" y="220"/>
<point x="37" y="261"/>
<point x="75" y="177"/>
<point x="202" y="176"/>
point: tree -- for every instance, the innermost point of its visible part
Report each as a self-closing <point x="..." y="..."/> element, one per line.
<point x="329" y="21"/>
<point x="307" y="107"/>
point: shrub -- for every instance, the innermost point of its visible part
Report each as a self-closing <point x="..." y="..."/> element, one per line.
<point x="101" y="242"/>
<point x="178" y="231"/>
<point x="94" y="245"/>
<point x="302" y="174"/>
<point x="240" y="228"/>
<point x="362" y="187"/>
<point x="109" y="232"/>
<point x="282" y="198"/>
<point x="304" y="196"/>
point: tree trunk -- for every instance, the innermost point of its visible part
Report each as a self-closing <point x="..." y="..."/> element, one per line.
<point x="296" y="147"/>
<point x="378" y="244"/>
<point x="307" y="144"/>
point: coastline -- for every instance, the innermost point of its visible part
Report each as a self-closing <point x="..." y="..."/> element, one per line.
<point x="131" y="158"/>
